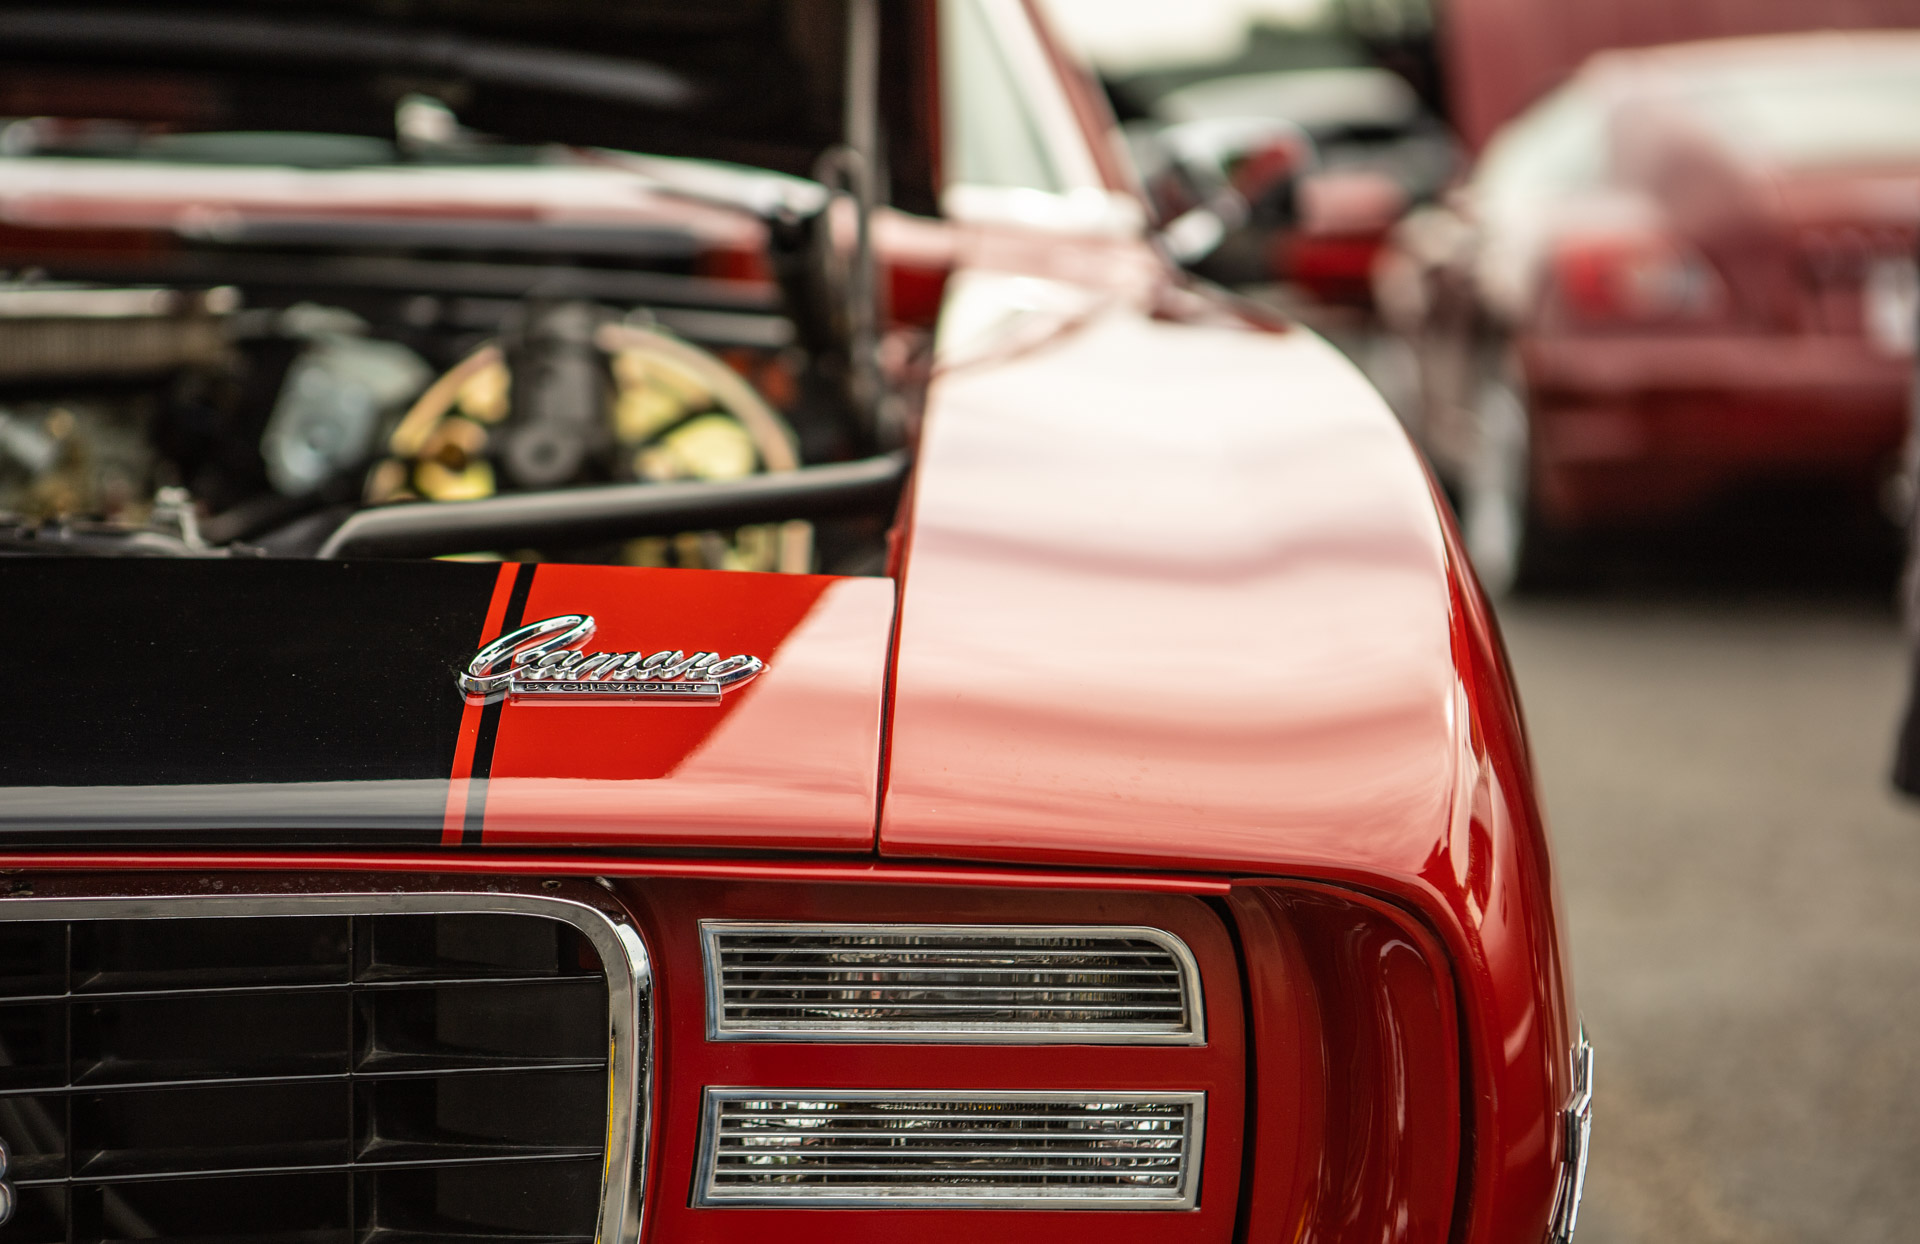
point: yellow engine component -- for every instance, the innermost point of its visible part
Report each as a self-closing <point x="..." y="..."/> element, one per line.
<point x="676" y="413"/>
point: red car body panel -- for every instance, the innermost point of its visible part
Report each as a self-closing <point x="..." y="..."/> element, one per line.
<point x="1340" y="711"/>
<point x="789" y="761"/>
<point x="1179" y="634"/>
<point x="1131" y="482"/>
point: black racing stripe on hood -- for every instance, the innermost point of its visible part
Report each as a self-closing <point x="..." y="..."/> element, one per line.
<point x="313" y="702"/>
<point x="514" y="619"/>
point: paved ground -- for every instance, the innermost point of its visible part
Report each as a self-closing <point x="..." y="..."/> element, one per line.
<point x="1744" y="891"/>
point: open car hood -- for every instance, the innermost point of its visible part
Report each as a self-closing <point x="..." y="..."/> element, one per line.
<point x="294" y="703"/>
<point x="758" y="82"/>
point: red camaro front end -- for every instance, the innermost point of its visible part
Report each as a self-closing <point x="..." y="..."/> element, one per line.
<point x="570" y="696"/>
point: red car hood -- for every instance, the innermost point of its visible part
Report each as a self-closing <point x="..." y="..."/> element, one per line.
<point x="301" y="703"/>
<point x="791" y="760"/>
<point x="1176" y="597"/>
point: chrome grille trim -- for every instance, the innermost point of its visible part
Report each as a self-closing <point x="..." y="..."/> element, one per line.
<point x="857" y="983"/>
<point x="951" y="1150"/>
<point x="588" y="908"/>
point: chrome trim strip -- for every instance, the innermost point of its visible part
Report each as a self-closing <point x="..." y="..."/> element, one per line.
<point x="587" y="907"/>
<point x="1193" y="1031"/>
<point x="798" y="1197"/>
<point x="1578" y="1122"/>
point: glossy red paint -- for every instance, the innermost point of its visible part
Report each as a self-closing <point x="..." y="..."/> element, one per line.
<point x="668" y="917"/>
<point x="1354" y="1027"/>
<point x="789" y="760"/>
<point x="1152" y="619"/>
<point x="522" y="864"/>
<point x="1502" y="921"/>
<point x="1081" y="506"/>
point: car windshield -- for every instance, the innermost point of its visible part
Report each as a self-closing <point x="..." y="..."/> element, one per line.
<point x="1817" y="115"/>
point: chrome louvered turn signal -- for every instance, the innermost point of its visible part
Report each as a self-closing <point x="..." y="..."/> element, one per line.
<point x="982" y="1150"/>
<point x="961" y="983"/>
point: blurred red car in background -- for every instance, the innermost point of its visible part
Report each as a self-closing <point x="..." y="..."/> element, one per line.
<point x="1687" y="268"/>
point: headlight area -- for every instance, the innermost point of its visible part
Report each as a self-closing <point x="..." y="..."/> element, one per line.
<point x="424" y="1056"/>
<point x="868" y="1061"/>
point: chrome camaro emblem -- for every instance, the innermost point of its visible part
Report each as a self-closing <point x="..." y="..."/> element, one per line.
<point x="546" y="661"/>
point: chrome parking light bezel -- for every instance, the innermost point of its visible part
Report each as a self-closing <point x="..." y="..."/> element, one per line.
<point x="1184" y="1197"/>
<point x="1193" y="1031"/>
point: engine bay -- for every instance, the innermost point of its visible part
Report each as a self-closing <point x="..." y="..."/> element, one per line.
<point x="218" y="340"/>
<point x="218" y="417"/>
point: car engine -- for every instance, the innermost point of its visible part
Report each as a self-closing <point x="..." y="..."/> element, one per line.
<point x="226" y="379"/>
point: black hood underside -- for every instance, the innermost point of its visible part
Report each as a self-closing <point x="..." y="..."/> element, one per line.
<point x="758" y="82"/>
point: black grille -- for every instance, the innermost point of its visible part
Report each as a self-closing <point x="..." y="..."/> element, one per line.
<point x="310" y="1079"/>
